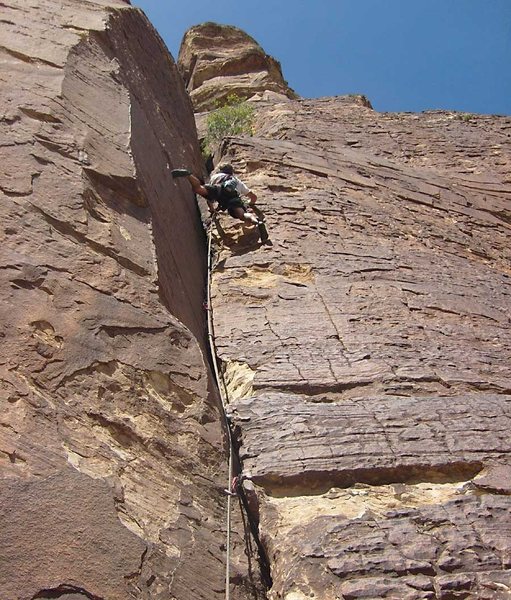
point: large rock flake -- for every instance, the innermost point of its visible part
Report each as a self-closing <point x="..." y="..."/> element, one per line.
<point x="111" y="447"/>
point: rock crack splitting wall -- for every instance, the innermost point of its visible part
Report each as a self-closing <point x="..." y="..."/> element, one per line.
<point x="367" y="350"/>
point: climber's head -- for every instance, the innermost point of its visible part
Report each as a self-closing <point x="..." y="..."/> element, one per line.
<point x="226" y="168"/>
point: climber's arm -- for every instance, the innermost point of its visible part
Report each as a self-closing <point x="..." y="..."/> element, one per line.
<point x="243" y="190"/>
<point x="252" y="197"/>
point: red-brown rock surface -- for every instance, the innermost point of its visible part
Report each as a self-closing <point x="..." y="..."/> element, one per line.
<point x="367" y="350"/>
<point x="111" y="453"/>
<point x="219" y="60"/>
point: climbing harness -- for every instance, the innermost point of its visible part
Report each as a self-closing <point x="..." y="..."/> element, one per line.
<point x="235" y="486"/>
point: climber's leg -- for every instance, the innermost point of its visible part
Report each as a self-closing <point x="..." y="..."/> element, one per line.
<point x="239" y="212"/>
<point x="195" y="182"/>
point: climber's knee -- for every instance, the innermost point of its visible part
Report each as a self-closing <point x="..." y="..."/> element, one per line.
<point x="250" y="217"/>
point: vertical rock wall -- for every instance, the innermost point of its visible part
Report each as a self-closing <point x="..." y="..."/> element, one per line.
<point x="367" y="350"/>
<point x="110" y="446"/>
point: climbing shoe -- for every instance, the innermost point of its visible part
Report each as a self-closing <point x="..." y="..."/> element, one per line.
<point x="180" y="173"/>
<point x="263" y="232"/>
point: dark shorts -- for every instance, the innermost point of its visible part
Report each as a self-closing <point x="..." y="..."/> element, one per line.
<point x="231" y="205"/>
<point x="228" y="205"/>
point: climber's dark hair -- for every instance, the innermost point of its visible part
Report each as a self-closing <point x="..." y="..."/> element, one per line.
<point x="226" y="168"/>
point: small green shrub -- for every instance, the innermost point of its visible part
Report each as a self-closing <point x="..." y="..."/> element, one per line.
<point x="235" y="117"/>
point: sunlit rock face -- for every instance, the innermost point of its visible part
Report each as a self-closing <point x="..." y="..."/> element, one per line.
<point x="110" y="443"/>
<point x="217" y="61"/>
<point x="367" y="350"/>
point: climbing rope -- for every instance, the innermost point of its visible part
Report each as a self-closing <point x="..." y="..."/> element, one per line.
<point x="212" y="350"/>
<point x="234" y="483"/>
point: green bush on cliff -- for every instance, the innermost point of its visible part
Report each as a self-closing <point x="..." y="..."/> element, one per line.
<point x="235" y="117"/>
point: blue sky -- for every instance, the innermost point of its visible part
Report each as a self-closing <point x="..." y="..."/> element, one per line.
<point x="404" y="55"/>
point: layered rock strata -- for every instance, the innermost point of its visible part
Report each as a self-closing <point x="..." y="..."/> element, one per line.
<point x="366" y="352"/>
<point x="217" y="61"/>
<point x="111" y="451"/>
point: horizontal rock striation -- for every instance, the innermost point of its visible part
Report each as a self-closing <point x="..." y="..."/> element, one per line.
<point x="371" y="440"/>
<point x="110" y="440"/>
<point x="366" y="351"/>
<point x="217" y="61"/>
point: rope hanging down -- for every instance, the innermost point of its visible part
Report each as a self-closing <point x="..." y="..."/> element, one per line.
<point x="234" y="483"/>
<point x="227" y="426"/>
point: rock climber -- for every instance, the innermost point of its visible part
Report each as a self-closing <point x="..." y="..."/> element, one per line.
<point x="224" y="192"/>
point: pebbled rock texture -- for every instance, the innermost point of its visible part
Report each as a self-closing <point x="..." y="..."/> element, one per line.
<point x="111" y="449"/>
<point x="438" y="551"/>
<point x="366" y="352"/>
<point x="219" y="60"/>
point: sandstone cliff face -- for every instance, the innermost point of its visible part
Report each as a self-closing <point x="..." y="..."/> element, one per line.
<point x="367" y="351"/>
<point x="218" y="60"/>
<point x="110" y="444"/>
